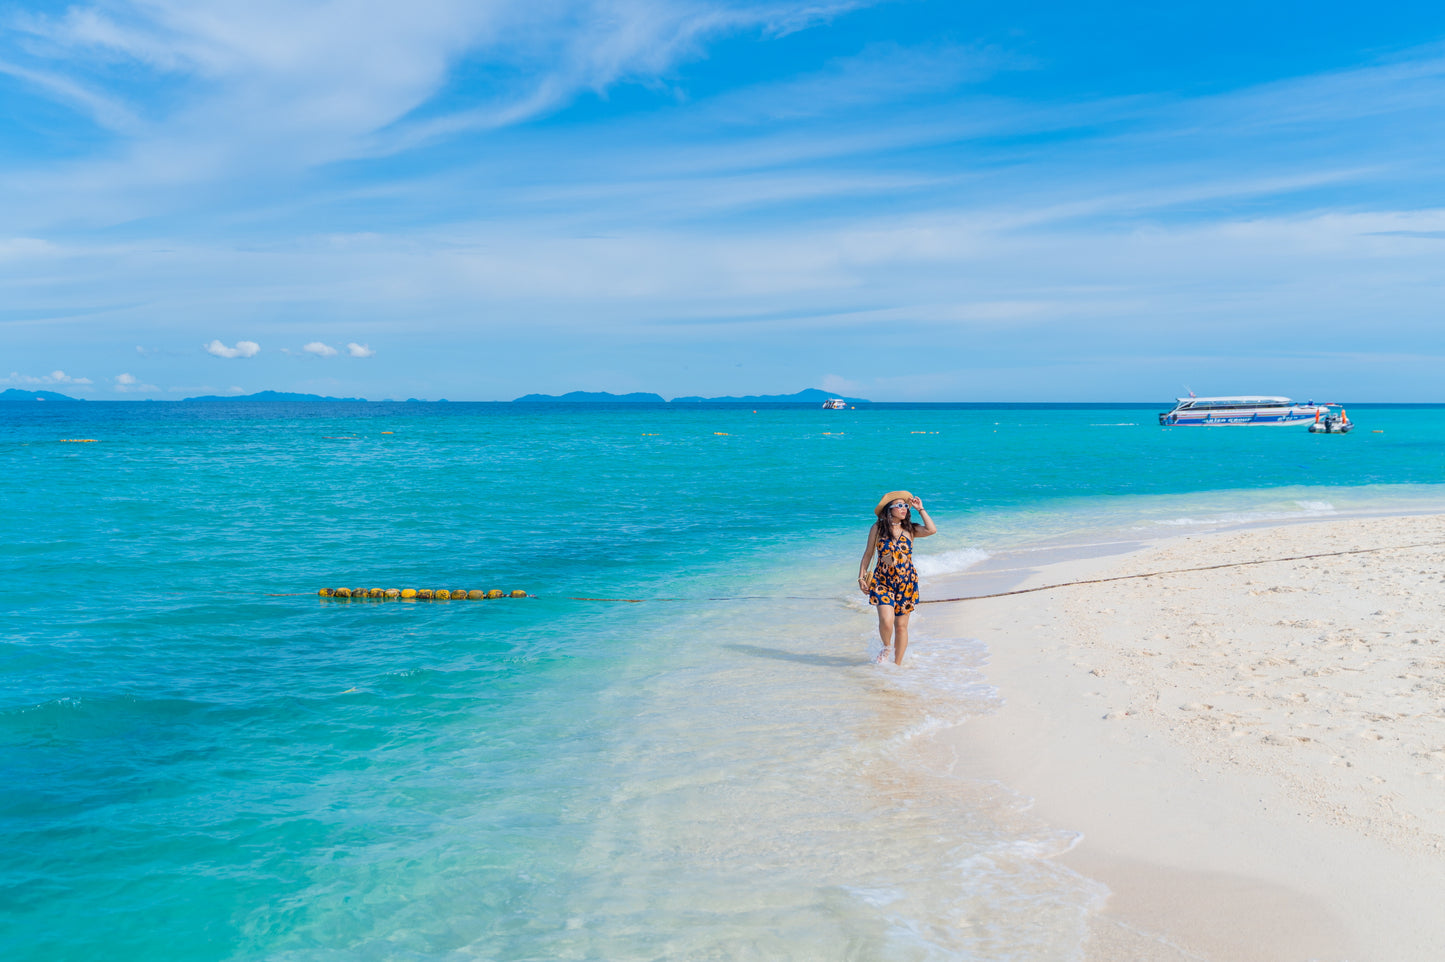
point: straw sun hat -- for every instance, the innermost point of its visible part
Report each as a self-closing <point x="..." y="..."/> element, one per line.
<point x="892" y="496"/>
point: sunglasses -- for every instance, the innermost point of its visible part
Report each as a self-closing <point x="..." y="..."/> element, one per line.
<point x="897" y="504"/>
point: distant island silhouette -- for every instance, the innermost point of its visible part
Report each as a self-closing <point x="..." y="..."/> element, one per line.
<point x="808" y="395"/>
<point x="15" y="394"/>
<point x="590" y="397"/>
<point x="271" y="396"/>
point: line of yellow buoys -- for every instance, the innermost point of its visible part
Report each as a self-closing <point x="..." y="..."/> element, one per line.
<point x="421" y="594"/>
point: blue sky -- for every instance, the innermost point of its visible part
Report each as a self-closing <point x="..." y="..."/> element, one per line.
<point x="895" y="200"/>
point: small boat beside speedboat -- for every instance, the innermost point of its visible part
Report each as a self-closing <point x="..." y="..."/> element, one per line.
<point x="1330" y="422"/>
<point x="1250" y="410"/>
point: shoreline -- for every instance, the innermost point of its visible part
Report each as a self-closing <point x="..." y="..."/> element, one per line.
<point x="1252" y="755"/>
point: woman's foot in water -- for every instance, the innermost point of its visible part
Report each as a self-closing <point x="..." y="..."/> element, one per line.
<point x="884" y="655"/>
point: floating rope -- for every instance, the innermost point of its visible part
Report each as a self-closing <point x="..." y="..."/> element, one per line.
<point x="638" y="601"/>
<point x="478" y="594"/>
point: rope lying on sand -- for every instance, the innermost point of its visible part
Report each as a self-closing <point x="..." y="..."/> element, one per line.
<point x="1065" y="584"/>
<point x="1180" y="571"/>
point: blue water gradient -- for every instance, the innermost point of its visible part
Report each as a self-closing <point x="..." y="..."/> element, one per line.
<point x="200" y="759"/>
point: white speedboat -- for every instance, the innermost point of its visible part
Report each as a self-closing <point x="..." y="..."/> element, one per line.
<point x="1247" y="410"/>
<point x="835" y="404"/>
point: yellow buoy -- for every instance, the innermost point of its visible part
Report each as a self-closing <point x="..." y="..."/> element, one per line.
<point x="423" y="594"/>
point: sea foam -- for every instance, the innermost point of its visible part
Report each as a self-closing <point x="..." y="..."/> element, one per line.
<point x="948" y="562"/>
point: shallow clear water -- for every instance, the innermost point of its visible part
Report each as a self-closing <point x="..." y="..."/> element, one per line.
<point x="202" y="759"/>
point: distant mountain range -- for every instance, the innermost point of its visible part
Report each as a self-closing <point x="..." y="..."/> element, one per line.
<point x="15" y="394"/>
<point x="590" y="397"/>
<point x="810" y="395"/>
<point x="806" y="396"/>
<point x="271" y="396"/>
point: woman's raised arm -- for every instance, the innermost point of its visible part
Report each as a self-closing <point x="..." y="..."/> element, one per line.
<point x="928" y="526"/>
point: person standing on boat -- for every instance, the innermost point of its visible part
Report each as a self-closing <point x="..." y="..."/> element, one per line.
<point x="893" y="586"/>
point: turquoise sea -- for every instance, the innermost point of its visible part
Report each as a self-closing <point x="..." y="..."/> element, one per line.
<point x="200" y="759"/>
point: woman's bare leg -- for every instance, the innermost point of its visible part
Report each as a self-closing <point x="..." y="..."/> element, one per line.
<point x="885" y="626"/>
<point x="900" y="640"/>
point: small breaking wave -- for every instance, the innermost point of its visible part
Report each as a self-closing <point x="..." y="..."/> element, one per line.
<point x="948" y="562"/>
<point x="1306" y="509"/>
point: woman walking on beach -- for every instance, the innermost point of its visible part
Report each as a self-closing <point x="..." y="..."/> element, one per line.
<point x="893" y="587"/>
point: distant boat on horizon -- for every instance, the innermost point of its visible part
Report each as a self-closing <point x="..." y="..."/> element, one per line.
<point x="835" y="404"/>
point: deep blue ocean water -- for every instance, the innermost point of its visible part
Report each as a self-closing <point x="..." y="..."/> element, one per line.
<point x="201" y="759"/>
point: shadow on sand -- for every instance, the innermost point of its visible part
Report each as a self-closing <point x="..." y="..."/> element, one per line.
<point x="827" y="661"/>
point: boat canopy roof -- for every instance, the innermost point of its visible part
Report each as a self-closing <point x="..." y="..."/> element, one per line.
<point x="1233" y="402"/>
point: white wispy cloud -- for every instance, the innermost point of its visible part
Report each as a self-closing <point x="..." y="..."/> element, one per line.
<point x="130" y="384"/>
<point x="595" y="44"/>
<point x="319" y="349"/>
<point x="242" y="349"/>
<point x="359" y="350"/>
<point x="54" y="377"/>
<point x="26" y="247"/>
<point x="199" y="91"/>
<point x="106" y="111"/>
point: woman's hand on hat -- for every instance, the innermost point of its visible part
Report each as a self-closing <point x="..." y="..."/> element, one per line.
<point x="916" y="503"/>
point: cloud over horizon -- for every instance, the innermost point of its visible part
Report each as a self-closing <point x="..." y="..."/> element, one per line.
<point x="54" y="377"/>
<point x="242" y="349"/>
<point x="130" y="384"/>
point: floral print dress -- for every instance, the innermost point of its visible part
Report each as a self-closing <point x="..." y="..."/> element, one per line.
<point x="895" y="582"/>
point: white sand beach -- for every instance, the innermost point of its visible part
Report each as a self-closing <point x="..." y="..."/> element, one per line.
<point x="1254" y="756"/>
